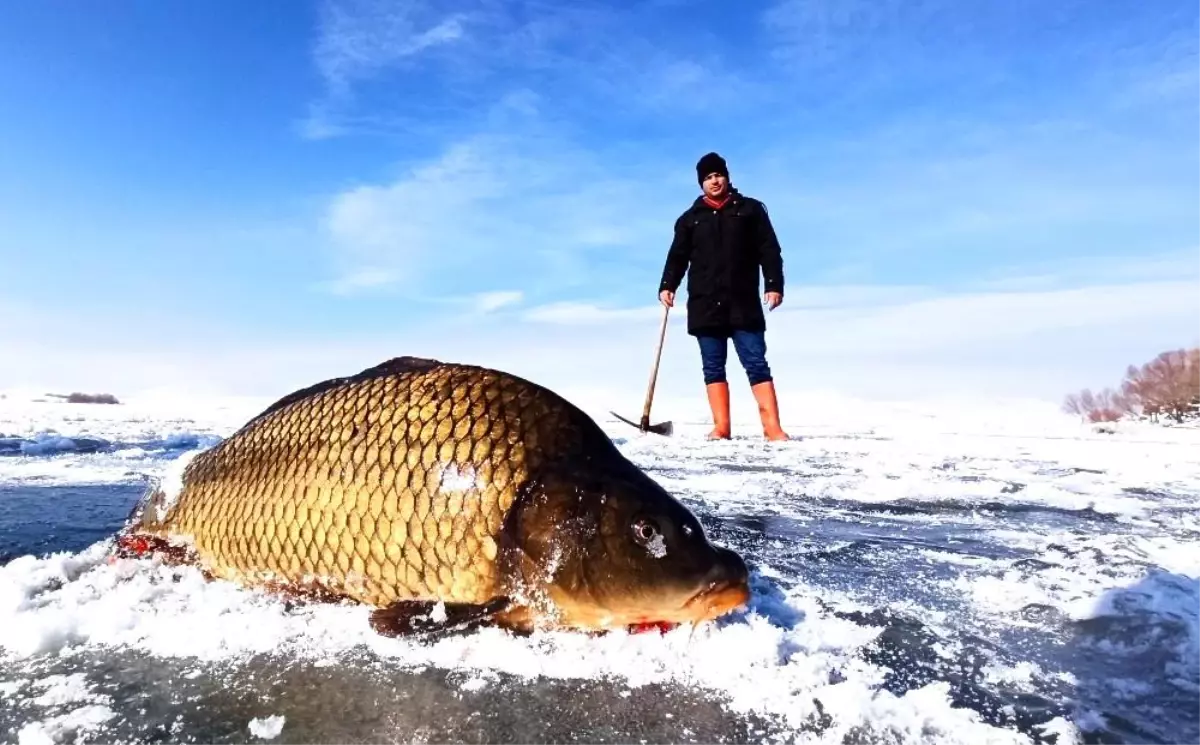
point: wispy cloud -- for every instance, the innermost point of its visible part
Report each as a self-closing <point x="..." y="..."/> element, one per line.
<point x="487" y="302"/>
<point x="358" y="281"/>
<point x="574" y="314"/>
<point x="364" y="37"/>
<point x="426" y="215"/>
<point x="360" y="40"/>
<point x="467" y="53"/>
<point x="515" y="200"/>
<point x="822" y="31"/>
<point x="1049" y="273"/>
<point x="1167" y="84"/>
<point x="950" y="320"/>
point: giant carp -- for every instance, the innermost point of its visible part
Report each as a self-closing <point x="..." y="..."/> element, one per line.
<point x="445" y="496"/>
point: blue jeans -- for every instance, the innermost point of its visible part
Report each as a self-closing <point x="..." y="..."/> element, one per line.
<point x="751" y="348"/>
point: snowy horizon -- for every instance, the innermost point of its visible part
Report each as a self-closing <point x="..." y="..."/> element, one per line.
<point x="804" y="408"/>
<point x="896" y="346"/>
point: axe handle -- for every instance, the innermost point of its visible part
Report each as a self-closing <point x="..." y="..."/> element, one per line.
<point x="662" y="334"/>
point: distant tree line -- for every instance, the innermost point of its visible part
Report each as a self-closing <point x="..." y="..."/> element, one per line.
<point x="86" y="398"/>
<point x="1167" y="387"/>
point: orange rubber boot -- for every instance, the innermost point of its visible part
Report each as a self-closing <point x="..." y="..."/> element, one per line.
<point x="768" y="410"/>
<point x="718" y="401"/>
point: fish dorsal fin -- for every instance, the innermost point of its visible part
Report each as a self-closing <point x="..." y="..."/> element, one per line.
<point x="394" y="366"/>
<point x="397" y="366"/>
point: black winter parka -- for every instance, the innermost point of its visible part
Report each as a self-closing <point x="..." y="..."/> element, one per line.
<point x="722" y="251"/>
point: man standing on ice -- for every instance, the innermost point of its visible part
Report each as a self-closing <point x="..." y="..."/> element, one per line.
<point x="721" y="242"/>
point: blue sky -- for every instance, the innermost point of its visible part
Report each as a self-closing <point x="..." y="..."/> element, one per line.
<point x="244" y="196"/>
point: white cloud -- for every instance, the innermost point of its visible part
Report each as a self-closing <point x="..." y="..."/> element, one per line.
<point x="358" y="281"/>
<point x="360" y="38"/>
<point x="843" y="295"/>
<point x="954" y="320"/>
<point x="487" y="302"/>
<point x="817" y="31"/>
<point x="569" y="313"/>
<point x="1052" y="272"/>
<point x="515" y="201"/>
<point x="900" y="33"/>
<point x="319" y="125"/>
<point x="473" y="51"/>
<point x="432" y="213"/>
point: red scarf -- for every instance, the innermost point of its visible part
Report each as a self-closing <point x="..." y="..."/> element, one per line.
<point x="715" y="204"/>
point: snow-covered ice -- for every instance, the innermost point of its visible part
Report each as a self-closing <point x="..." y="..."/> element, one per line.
<point x="949" y="576"/>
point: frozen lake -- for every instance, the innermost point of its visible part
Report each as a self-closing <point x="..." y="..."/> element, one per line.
<point x="923" y="581"/>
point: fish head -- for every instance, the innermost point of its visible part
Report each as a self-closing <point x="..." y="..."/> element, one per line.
<point x="612" y="549"/>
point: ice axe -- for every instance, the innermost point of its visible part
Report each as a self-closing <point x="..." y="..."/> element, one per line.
<point x="662" y="428"/>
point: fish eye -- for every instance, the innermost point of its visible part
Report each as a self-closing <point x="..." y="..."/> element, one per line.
<point x="644" y="530"/>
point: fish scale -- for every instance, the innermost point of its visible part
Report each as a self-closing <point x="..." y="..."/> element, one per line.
<point x="388" y="486"/>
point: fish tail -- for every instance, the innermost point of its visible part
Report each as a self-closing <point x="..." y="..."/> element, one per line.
<point x="147" y="529"/>
<point x="151" y="513"/>
<point x="144" y="533"/>
<point x="148" y="516"/>
<point x="148" y="513"/>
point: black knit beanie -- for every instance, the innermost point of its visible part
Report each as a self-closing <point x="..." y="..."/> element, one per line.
<point x="711" y="163"/>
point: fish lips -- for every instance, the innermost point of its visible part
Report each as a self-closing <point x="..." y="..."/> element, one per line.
<point x="727" y="589"/>
<point x="718" y="598"/>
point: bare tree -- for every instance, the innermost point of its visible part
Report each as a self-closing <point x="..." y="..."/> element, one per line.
<point x="1106" y="406"/>
<point x="1187" y="394"/>
<point x="1110" y="406"/>
<point x="1167" y="386"/>
<point x="1138" y="387"/>
<point x="1073" y="404"/>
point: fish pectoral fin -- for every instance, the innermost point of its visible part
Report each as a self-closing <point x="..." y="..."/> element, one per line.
<point x="426" y="618"/>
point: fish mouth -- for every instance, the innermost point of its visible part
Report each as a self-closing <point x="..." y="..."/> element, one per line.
<point x="717" y="599"/>
<point x="712" y="601"/>
<point x="727" y="589"/>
